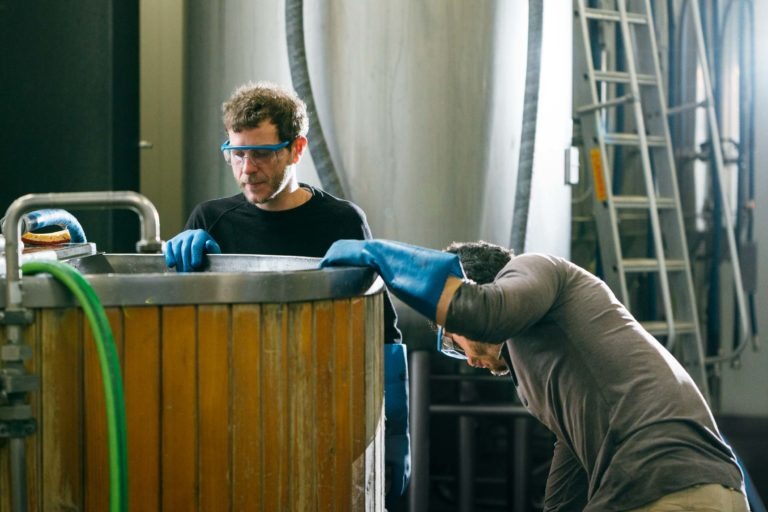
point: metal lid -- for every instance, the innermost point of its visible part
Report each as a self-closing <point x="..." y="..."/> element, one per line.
<point x="144" y="279"/>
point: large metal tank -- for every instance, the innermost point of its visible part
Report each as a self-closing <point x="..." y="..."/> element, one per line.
<point x="255" y="385"/>
<point x="421" y="104"/>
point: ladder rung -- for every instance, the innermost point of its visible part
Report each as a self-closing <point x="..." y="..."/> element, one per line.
<point x="623" y="77"/>
<point x="661" y="328"/>
<point x="686" y="107"/>
<point x="651" y="265"/>
<point x="642" y="202"/>
<point x="606" y="104"/>
<point x="609" y="15"/>
<point x="631" y="139"/>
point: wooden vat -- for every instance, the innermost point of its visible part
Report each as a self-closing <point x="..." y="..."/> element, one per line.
<point x="243" y="405"/>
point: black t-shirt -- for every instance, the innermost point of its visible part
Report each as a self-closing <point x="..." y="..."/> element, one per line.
<point x="240" y="227"/>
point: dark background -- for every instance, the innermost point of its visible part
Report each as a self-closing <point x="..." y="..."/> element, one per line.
<point x="69" y="106"/>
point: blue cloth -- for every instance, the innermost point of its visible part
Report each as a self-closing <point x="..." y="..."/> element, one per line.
<point x="397" y="439"/>
<point x="55" y="217"/>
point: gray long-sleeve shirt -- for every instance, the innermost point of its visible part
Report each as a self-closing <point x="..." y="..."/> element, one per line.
<point x="630" y="423"/>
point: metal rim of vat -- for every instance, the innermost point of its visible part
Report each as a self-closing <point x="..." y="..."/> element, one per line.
<point x="144" y="280"/>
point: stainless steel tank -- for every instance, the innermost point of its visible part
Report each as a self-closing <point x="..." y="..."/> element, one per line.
<point x="422" y="109"/>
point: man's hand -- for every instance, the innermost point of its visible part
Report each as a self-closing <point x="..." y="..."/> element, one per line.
<point x="185" y="251"/>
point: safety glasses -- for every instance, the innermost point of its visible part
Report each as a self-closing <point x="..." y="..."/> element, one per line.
<point x="266" y="153"/>
<point x="448" y="346"/>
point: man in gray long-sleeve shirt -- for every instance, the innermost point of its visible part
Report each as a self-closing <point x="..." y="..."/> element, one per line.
<point x="633" y="431"/>
<point x="630" y="423"/>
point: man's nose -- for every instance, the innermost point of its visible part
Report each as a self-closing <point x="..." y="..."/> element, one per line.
<point x="248" y="165"/>
<point x="471" y="361"/>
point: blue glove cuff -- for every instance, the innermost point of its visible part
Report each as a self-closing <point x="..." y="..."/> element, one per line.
<point x="416" y="275"/>
<point x="397" y="442"/>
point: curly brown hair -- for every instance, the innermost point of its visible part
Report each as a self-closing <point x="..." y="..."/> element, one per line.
<point x="253" y="103"/>
<point x="481" y="261"/>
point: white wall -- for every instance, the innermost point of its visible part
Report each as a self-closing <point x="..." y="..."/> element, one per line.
<point x="161" y="109"/>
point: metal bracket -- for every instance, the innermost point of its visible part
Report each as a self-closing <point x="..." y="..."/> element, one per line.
<point x="572" y="166"/>
<point x="12" y="381"/>
<point x="15" y="412"/>
<point x="16" y="420"/>
<point x="18" y="428"/>
<point x="13" y="352"/>
<point x="149" y="246"/>
<point x="16" y="317"/>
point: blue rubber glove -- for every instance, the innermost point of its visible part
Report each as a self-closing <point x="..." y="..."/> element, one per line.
<point x="55" y="217"/>
<point x="185" y="251"/>
<point x="397" y="439"/>
<point x="416" y="275"/>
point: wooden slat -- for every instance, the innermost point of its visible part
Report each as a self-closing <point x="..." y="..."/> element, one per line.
<point x="326" y="442"/>
<point x="343" y="403"/>
<point x="61" y="424"/>
<point x="141" y="377"/>
<point x="357" y="382"/>
<point x="275" y="413"/>
<point x="179" y="414"/>
<point x="96" y="483"/>
<point x="300" y="348"/>
<point x="374" y="339"/>
<point x="213" y="330"/>
<point x="97" y="476"/>
<point x="247" y="393"/>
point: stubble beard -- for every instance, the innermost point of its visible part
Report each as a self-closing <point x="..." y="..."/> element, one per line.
<point x="276" y="183"/>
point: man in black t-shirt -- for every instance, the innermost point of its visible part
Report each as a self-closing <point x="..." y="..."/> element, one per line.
<point x="277" y="215"/>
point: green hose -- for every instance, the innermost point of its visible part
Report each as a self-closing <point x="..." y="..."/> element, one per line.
<point x="110" y="374"/>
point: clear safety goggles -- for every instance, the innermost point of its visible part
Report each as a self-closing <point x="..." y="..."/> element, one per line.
<point x="448" y="346"/>
<point x="263" y="154"/>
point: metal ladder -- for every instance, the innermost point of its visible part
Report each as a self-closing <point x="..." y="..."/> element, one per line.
<point x="745" y="329"/>
<point x="622" y="114"/>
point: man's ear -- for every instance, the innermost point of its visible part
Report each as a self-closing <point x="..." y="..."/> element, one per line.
<point x="297" y="148"/>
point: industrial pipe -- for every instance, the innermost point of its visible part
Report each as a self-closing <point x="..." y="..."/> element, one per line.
<point x="418" y="491"/>
<point x="148" y="216"/>
<point x="297" y="60"/>
<point x="528" y="131"/>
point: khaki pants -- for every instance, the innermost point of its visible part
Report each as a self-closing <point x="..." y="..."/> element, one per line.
<point x="699" y="498"/>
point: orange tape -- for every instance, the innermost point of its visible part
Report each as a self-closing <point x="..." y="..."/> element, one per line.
<point x="597" y="174"/>
<point x="57" y="237"/>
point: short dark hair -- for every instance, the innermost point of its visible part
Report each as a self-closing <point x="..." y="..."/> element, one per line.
<point x="253" y="103"/>
<point x="481" y="261"/>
